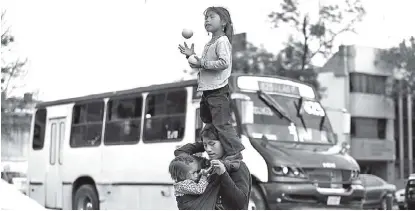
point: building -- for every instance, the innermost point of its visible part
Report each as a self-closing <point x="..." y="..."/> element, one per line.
<point x="16" y="114"/>
<point x="357" y="81"/>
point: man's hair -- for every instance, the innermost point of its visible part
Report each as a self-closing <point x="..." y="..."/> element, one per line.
<point x="210" y="132"/>
<point x="179" y="167"/>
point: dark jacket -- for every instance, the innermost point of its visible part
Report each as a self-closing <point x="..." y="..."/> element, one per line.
<point x="234" y="186"/>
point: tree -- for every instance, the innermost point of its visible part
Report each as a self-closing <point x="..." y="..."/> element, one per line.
<point x="11" y="68"/>
<point x="254" y="60"/>
<point x="315" y="38"/>
<point x="402" y="60"/>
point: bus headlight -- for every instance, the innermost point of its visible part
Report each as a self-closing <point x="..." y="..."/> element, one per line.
<point x="288" y="171"/>
<point x="355" y="174"/>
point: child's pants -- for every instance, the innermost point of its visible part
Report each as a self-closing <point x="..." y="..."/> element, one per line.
<point x="215" y="108"/>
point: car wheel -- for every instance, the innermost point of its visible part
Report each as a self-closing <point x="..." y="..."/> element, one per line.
<point x="383" y="204"/>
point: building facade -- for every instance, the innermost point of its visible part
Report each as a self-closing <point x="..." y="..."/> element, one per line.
<point x="356" y="81"/>
<point x="16" y="115"/>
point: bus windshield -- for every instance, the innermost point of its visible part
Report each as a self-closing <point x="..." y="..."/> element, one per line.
<point x="306" y="122"/>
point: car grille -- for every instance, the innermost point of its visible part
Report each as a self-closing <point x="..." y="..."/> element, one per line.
<point x="329" y="178"/>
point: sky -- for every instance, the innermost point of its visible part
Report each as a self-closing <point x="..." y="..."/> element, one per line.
<point x="77" y="48"/>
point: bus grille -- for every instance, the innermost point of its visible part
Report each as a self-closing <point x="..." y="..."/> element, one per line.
<point x="329" y="178"/>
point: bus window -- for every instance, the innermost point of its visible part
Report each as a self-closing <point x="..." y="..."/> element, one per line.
<point x="165" y="116"/>
<point x="39" y="129"/>
<point x="87" y="124"/>
<point x="123" y="121"/>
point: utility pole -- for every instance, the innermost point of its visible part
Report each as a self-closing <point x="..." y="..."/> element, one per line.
<point x="410" y="138"/>
<point x="401" y="133"/>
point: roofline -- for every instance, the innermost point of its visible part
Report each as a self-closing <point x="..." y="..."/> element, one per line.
<point x="173" y="85"/>
<point x="179" y="84"/>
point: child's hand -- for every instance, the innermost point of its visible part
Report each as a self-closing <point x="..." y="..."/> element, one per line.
<point x="198" y="64"/>
<point x="186" y="50"/>
<point x="206" y="172"/>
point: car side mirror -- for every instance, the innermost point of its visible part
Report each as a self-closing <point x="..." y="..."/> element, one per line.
<point x="346" y="122"/>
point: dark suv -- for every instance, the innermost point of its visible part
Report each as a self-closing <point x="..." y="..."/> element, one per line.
<point x="410" y="193"/>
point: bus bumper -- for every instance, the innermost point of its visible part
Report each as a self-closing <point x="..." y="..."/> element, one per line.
<point x="307" y="196"/>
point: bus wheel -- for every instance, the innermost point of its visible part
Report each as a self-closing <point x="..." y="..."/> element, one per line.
<point x="256" y="201"/>
<point x="86" y="198"/>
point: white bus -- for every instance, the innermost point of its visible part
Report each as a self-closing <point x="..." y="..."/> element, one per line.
<point x="112" y="150"/>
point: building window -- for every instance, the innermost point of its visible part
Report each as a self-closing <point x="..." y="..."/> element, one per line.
<point x="39" y="129"/>
<point x="165" y="116"/>
<point x="87" y="124"/>
<point x="365" y="83"/>
<point x="368" y="128"/>
<point x="123" y="123"/>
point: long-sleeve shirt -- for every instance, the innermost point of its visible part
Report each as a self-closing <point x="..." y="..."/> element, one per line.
<point x="216" y="62"/>
<point x="190" y="187"/>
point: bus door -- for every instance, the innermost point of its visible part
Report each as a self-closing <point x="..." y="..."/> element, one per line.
<point x="54" y="187"/>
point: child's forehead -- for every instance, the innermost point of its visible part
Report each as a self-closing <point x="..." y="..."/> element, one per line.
<point x="194" y="165"/>
<point x="209" y="140"/>
<point x="211" y="12"/>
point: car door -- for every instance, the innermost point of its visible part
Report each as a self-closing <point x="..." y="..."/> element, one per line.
<point x="371" y="189"/>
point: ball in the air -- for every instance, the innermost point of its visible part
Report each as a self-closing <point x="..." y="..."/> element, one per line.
<point x="187" y="33"/>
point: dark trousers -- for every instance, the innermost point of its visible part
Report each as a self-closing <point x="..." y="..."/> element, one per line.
<point x="215" y="108"/>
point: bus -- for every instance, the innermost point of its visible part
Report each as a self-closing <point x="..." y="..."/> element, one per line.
<point x="112" y="150"/>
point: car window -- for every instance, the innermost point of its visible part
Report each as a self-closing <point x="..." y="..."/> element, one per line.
<point x="378" y="181"/>
<point x="371" y="181"/>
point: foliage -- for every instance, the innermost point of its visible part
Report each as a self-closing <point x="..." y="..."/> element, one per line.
<point x="402" y="60"/>
<point x="11" y="69"/>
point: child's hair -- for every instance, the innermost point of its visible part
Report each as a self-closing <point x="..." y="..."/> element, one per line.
<point x="210" y="132"/>
<point x="180" y="166"/>
<point x="224" y="16"/>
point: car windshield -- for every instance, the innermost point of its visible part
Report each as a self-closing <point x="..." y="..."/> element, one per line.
<point x="308" y="126"/>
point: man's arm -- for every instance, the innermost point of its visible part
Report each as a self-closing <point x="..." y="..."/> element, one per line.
<point x="190" y="149"/>
<point x="236" y="186"/>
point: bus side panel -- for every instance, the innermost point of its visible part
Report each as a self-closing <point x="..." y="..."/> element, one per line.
<point x="67" y="197"/>
<point x="78" y="162"/>
<point x="120" y="197"/>
<point x="143" y="167"/>
<point x="37" y="161"/>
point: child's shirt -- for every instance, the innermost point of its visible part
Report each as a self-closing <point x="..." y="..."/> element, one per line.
<point x="216" y="62"/>
<point x="190" y="187"/>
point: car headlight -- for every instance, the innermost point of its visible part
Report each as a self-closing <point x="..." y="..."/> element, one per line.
<point x="288" y="171"/>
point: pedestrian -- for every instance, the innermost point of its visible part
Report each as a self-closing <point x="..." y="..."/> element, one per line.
<point x="230" y="182"/>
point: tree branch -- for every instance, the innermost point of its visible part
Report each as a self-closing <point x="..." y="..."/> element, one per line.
<point x="347" y="28"/>
<point x="305" y="47"/>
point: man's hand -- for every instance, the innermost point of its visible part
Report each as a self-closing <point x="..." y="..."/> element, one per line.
<point x="218" y="167"/>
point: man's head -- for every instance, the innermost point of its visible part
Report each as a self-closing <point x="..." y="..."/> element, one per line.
<point x="211" y="143"/>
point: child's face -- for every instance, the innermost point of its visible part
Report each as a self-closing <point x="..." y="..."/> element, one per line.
<point x="193" y="171"/>
<point x="213" y="22"/>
